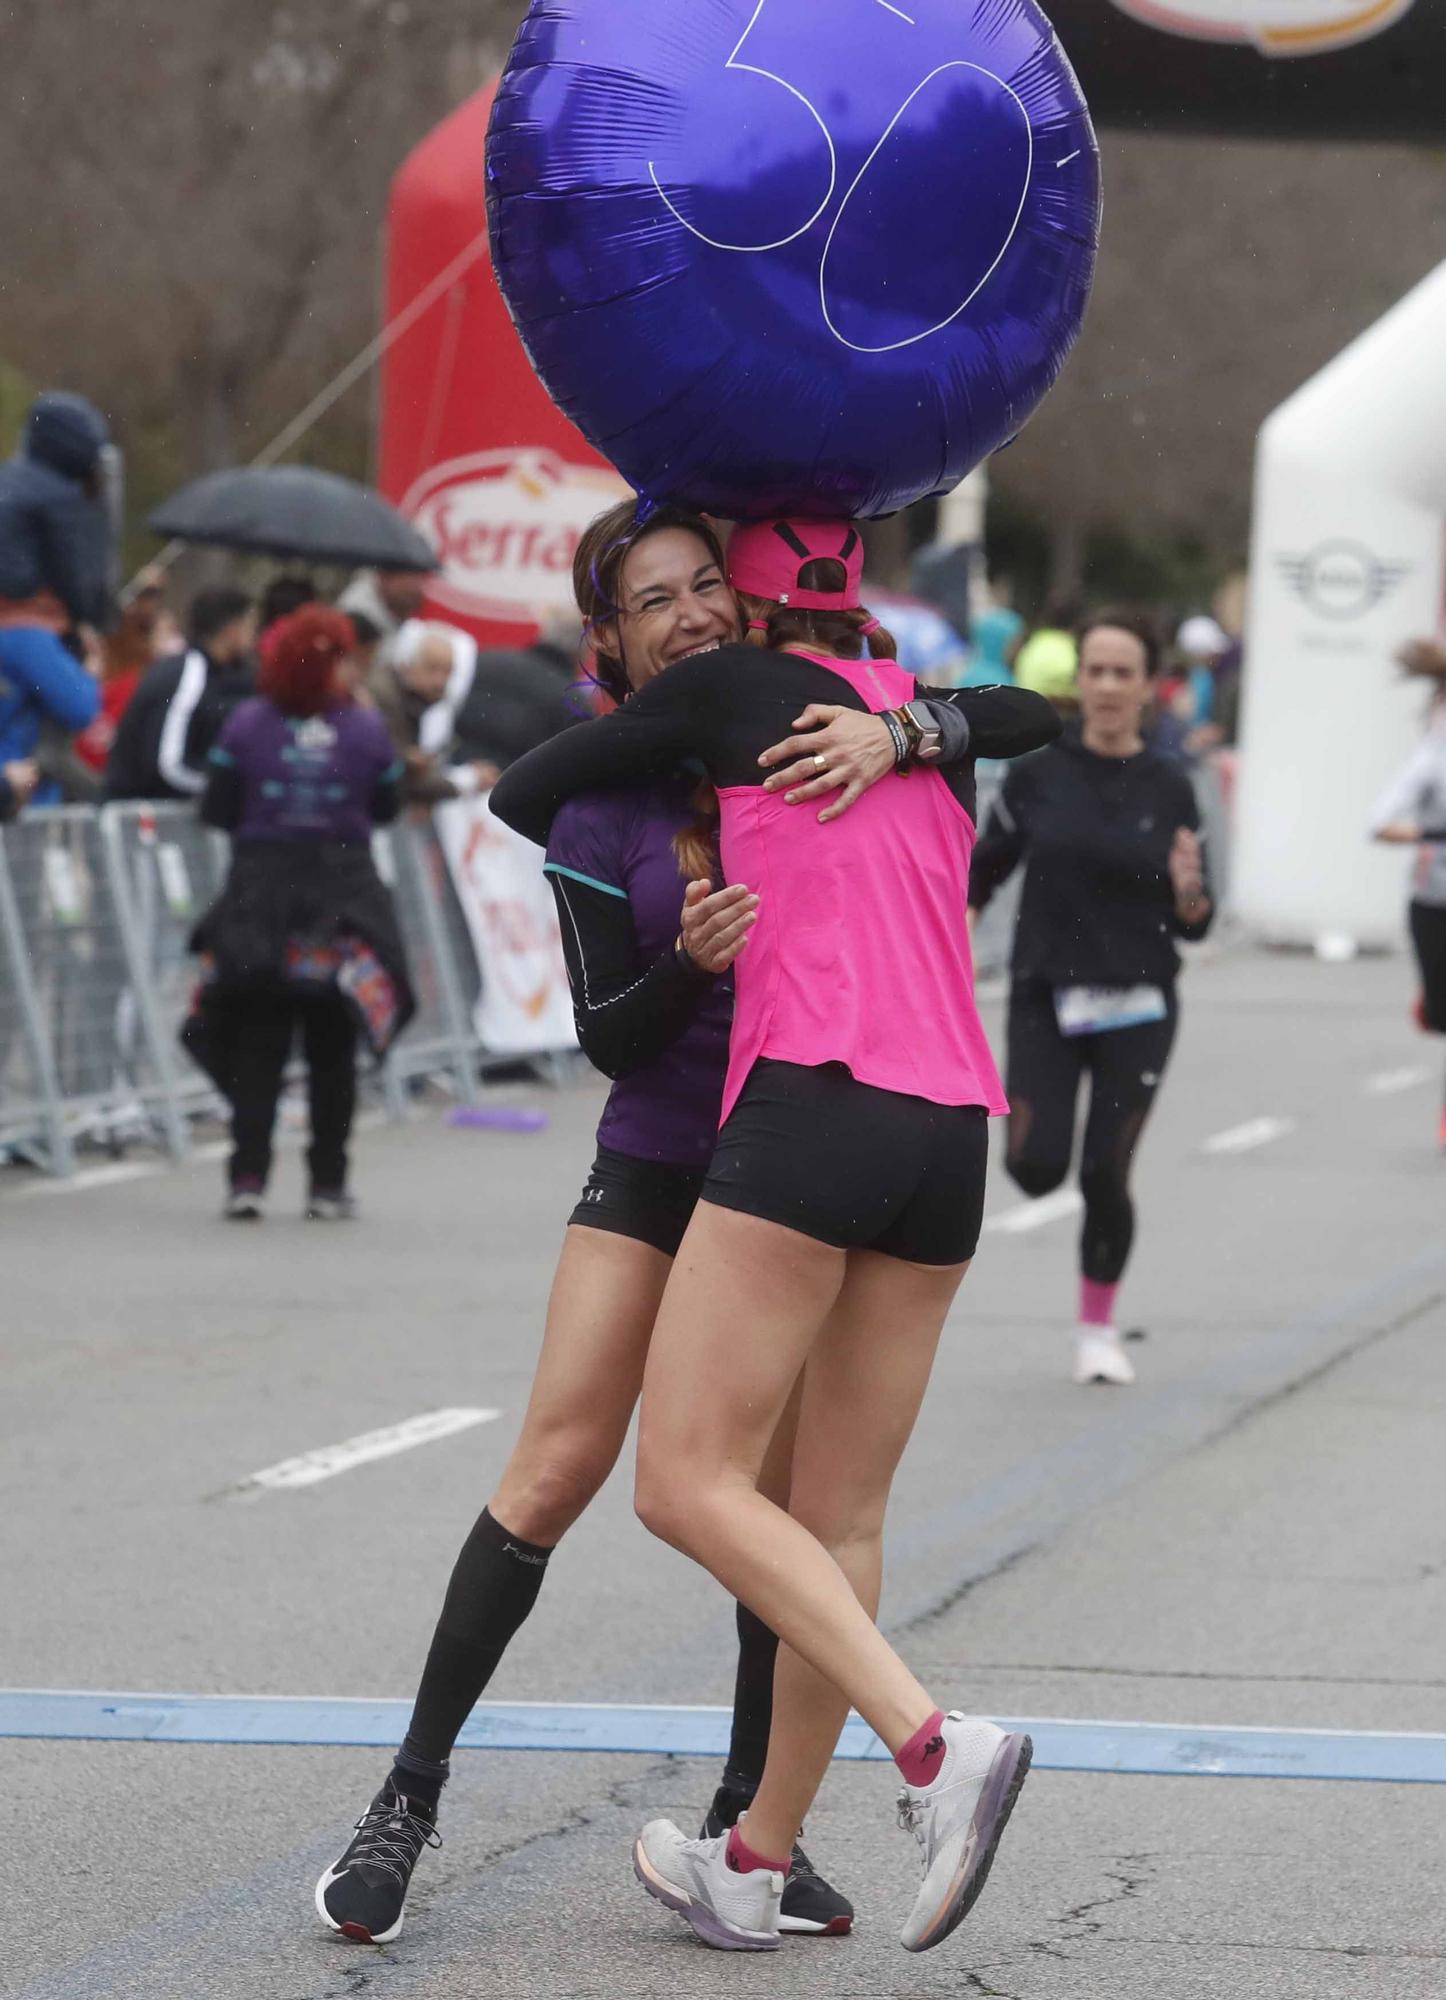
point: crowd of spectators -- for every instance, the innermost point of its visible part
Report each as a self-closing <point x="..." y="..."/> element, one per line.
<point x="129" y="705"/>
<point x="99" y="702"/>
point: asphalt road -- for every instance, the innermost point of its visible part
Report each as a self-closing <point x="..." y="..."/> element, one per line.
<point x="1254" y="1535"/>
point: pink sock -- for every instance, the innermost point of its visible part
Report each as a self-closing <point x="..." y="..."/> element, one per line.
<point x="743" y="1861"/>
<point x="1097" y="1303"/>
<point x="923" y="1754"/>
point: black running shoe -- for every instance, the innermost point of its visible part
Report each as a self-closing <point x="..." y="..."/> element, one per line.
<point x="364" y="1894"/>
<point x="811" y="1906"/>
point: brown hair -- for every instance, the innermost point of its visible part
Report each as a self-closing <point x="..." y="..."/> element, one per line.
<point x="842" y="633"/>
<point x="1139" y="624"/>
<point x="131" y="645"/>
<point x="597" y="572"/>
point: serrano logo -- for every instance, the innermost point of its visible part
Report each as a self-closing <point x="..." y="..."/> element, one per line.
<point x="1342" y="580"/>
<point x="1275" y="27"/>
<point x="506" y="525"/>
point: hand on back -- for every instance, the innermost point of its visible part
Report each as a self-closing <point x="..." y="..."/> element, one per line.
<point x="856" y="751"/>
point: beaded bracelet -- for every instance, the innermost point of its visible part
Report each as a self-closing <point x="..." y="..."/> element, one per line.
<point x="903" y="756"/>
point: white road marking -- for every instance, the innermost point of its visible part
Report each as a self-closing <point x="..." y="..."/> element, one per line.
<point x="328" y="1460"/>
<point x="93" y="1177"/>
<point x="140" y="1170"/>
<point x="1390" y="1081"/>
<point x="1245" y="1138"/>
<point x="1035" y="1214"/>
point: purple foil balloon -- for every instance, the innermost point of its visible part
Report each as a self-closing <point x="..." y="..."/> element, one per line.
<point x="804" y="256"/>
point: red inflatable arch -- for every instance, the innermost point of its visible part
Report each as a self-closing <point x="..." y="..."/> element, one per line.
<point x="471" y="446"/>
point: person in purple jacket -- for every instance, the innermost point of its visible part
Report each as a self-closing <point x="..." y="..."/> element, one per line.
<point x="303" y="939"/>
<point x="649" y="943"/>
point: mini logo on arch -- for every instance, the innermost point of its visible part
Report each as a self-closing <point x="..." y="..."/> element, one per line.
<point x="506" y="525"/>
<point x="1275" y="27"/>
<point x="1342" y="580"/>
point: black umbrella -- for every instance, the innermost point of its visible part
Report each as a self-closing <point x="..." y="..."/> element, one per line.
<point x="293" y="510"/>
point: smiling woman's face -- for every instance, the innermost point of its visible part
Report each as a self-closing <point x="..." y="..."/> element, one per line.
<point x="674" y="601"/>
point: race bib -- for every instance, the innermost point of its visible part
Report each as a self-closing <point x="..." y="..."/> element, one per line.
<point x="1098" y="1010"/>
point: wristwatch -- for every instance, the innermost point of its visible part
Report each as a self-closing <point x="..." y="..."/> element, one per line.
<point x="926" y="739"/>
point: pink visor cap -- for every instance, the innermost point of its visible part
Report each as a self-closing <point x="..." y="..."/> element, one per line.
<point x="765" y="558"/>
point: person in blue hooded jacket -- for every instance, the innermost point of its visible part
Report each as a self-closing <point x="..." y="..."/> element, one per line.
<point x="54" y="556"/>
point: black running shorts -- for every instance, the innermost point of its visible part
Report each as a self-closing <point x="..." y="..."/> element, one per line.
<point x="853" y="1166"/>
<point x="644" y="1199"/>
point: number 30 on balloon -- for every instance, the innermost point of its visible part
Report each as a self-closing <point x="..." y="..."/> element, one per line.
<point x="814" y="256"/>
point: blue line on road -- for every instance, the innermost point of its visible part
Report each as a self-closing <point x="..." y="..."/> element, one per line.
<point x="1141" y="1749"/>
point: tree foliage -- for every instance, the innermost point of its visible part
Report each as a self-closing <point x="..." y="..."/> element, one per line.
<point x="1229" y="275"/>
<point x="195" y="193"/>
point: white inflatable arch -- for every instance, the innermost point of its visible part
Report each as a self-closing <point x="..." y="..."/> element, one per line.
<point x="1348" y="562"/>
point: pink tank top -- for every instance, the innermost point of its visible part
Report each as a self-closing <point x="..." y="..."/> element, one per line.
<point x="861" y="951"/>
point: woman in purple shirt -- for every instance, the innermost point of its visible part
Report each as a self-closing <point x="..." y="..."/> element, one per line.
<point x="303" y="938"/>
<point x="648" y="945"/>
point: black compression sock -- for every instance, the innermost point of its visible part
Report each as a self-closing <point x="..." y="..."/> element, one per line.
<point x="752" y="1705"/>
<point x="415" y="1777"/>
<point x="494" y="1586"/>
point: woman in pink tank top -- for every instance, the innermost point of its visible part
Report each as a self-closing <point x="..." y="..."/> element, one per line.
<point x="841" y="1210"/>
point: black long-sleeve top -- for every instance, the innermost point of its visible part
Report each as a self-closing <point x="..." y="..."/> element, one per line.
<point x="634" y="994"/>
<point x="1094" y="835"/>
<point x="726" y="708"/>
<point x="619" y="895"/>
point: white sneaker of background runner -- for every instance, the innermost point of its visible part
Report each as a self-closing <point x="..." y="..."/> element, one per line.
<point x="728" y="1909"/>
<point x="1099" y="1356"/>
<point x="957" y="1822"/>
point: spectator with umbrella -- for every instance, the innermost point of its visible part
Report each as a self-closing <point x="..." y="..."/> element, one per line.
<point x="295" y="513"/>
<point x="303" y="938"/>
<point x="282" y="596"/>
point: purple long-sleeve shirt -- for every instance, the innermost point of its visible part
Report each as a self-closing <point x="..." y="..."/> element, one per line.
<point x="323" y="777"/>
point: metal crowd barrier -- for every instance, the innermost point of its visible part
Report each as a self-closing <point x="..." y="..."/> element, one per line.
<point x="439" y="1040"/>
<point x="96" y="978"/>
<point x="96" y="910"/>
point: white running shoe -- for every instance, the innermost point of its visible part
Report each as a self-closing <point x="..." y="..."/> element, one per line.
<point x="728" y="1909"/>
<point x="1099" y="1356"/>
<point x="958" y="1820"/>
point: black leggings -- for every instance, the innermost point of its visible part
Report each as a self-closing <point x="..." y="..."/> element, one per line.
<point x="1125" y="1068"/>
<point x="1428" y="935"/>
<point x="255" y="1032"/>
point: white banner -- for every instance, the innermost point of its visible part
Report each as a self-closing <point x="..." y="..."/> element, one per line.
<point x="525" y="1008"/>
<point x="1276" y="27"/>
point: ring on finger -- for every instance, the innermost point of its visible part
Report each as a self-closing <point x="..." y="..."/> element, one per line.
<point x="820" y="762"/>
